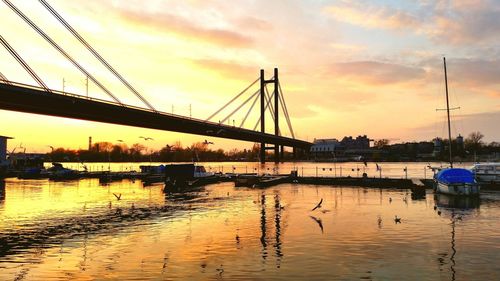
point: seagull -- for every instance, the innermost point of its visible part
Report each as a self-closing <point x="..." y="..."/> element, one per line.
<point x="146" y="138"/>
<point x="319" y="205"/>
<point x="208" y="142"/>
<point x="396" y="219"/>
<point x="318" y="221"/>
<point x="118" y="197"/>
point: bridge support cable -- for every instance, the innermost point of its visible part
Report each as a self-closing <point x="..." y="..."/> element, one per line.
<point x="287" y="117"/>
<point x="95" y="53"/>
<point x="23" y="63"/>
<point x="285" y="110"/>
<point x="271" y="110"/>
<point x="58" y="48"/>
<point x="232" y="100"/>
<point x="239" y="107"/>
<point x="249" y="110"/>
<point x="4" y="79"/>
<point x="267" y="102"/>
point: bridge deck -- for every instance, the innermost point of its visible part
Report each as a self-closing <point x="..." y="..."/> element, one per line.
<point x="30" y="99"/>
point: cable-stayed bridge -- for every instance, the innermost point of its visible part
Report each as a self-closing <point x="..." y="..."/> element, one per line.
<point x="40" y="99"/>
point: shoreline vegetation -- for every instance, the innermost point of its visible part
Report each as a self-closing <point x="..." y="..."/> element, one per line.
<point x="473" y="149"/>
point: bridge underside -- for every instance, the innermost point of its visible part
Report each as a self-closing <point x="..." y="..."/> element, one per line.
<point x="37" y="101"/>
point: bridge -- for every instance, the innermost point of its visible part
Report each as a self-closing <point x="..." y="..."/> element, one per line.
<point x="40" y="99"/>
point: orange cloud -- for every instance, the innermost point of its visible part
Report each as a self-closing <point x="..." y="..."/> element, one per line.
<point x="227" y="69"/>
<point x="187" y="29"/>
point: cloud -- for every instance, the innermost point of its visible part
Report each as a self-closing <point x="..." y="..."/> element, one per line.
<point x="444" y="22"/>
<point x="372" y="16"/>
<point x="187" y="28"/>
<point x="485" y="122"/>
<point x="374" y="72"/>
<point x="226" y="69"/>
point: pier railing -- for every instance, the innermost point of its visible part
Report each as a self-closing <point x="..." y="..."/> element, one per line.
<point x="332" y="170"/>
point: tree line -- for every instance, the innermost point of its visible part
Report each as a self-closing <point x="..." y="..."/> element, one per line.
<point x="120" y="152"/>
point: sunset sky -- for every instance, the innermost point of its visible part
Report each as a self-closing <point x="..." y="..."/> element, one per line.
<point x="346" y="67"/>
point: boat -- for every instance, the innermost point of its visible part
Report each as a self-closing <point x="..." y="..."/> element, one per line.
<point x="454" y="181"/>
<point x="184" y="176"/>
<point x="58" y="172"/>
<point x="487" y="173"/>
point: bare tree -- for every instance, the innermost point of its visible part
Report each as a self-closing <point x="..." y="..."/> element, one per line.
<point x="474" y="142"/>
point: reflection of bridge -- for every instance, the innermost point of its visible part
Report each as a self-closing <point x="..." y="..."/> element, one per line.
<point x="42" y="100"/>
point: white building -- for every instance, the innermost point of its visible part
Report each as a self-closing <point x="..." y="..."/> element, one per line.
<point x="324" y="146"/>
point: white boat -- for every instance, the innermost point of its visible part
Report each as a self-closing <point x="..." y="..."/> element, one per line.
<point x="454" y="181"/>
<point x="487" y="173"/>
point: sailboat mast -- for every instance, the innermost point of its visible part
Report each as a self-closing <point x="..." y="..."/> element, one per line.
<point x="448" y="110"/>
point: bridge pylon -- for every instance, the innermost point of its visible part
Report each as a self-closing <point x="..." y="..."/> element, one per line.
<point x="263" y="82"/>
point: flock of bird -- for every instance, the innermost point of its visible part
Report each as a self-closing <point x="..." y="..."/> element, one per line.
<point x="379" y="219"/>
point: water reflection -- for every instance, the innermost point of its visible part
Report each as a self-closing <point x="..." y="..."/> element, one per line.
<point x="263" y="228"/>
<point x="2" y="192"/>
<point x="222" y="232"/>
<point x="456" y="208"/>
<point x="457" y="202"/>
<point x="277" y="222"/>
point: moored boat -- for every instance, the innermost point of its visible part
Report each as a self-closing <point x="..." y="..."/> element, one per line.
<point x="456" y="181"/>
<point x="58" y="172"/>
<point x="487" y="173"/>
<point x="181" y="176"/>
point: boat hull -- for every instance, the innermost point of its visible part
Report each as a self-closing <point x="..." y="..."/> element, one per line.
<point x="461" y="189"/>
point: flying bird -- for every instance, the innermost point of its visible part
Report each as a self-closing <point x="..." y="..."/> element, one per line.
<point x="396" y="219"/>
<point x="146" y="138"/>
<point x="118" y="197"/>
<point x="208" y="142"/>
<point x="318" y="221"/>
<point x="319" y="205"/>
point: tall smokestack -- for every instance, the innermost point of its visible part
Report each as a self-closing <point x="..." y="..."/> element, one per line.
<point x="90" y="143"/>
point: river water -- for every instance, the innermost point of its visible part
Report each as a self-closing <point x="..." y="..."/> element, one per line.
<point x="79" y="230"/>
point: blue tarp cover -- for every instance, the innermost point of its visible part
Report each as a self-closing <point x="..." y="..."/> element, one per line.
<point x="455" y="175"/>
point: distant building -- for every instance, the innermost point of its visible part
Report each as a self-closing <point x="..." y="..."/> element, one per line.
<point x="360" y="142"/>
<point x="324" y="147"/>
<point x="438" y="147"/>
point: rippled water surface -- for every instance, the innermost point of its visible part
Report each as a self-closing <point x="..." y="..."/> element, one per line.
<point x="79" y="230"/>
